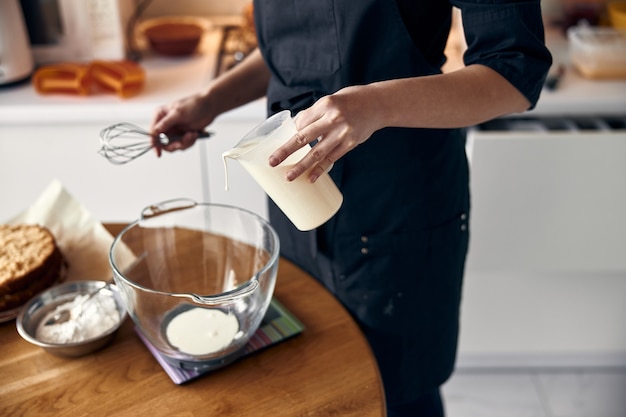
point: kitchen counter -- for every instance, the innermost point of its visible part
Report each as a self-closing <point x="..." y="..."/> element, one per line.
<point x="575" y="94"/>
<point x="167" y="79"/>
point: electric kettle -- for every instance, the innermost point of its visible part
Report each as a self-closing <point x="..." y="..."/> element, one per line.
<point x="16" y="58"/>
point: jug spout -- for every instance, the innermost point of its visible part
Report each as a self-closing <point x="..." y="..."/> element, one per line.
<point x="258" y="144"/>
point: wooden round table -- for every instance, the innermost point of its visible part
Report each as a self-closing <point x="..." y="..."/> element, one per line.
<point x="327" y="370"/>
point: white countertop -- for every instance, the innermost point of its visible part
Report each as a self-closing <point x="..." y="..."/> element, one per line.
<point x="166" y="80"/>
<point x="575" y="94"/>
<point x="172" y="78"/>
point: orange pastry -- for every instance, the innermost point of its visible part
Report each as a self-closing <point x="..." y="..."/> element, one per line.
<point x="68" y="78"/>
<point x="124" y="78"/>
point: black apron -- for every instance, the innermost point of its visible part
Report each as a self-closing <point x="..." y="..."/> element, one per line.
<point x="394" y="253"/>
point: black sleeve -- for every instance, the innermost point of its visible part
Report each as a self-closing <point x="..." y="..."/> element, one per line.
<point x="508" y="37"/>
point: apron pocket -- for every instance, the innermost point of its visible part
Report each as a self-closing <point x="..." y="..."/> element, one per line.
<point x="391" y="281"/>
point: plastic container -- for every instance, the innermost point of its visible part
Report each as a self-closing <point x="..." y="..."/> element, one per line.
<point x="196" y="279"/>
<point x="308" y="205"/>
<point x="598" y="52"/>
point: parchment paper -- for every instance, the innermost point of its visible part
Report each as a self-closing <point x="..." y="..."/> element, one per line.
<point x="83" y="240"/>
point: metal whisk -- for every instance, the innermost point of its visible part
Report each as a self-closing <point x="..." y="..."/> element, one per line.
<point x="125" y="142"/>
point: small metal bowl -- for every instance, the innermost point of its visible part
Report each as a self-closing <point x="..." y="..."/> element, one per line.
<point x="38" y="307"/>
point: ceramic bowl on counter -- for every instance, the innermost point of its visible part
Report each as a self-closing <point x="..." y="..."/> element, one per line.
<point x="617" y="13"/>
<point x="90" y="327"/>
<point x="174" y="35"/>
<point x="197" y="279"/>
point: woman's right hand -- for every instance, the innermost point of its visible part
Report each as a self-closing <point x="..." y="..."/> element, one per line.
<point x="185" y="118"/>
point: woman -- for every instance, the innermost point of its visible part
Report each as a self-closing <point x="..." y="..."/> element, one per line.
<point x="365" y="78"/>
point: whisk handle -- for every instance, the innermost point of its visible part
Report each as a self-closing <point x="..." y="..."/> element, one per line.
<point x="165" y="139"/>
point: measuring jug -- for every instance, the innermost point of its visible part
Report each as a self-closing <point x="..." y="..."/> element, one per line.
<point x="308" y="205"/>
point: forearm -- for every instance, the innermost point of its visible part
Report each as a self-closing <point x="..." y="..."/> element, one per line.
<point x="462" y="98"/>
<point x="244" y="83"/>
<point x="350" y="116"/>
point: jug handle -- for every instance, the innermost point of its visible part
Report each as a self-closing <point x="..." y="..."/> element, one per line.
<point x="167" y="206"/>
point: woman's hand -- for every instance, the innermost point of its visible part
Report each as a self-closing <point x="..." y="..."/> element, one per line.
<point x="340" y="121"/>
<point x="349" y="117"/>
<point x="185" y="118"/>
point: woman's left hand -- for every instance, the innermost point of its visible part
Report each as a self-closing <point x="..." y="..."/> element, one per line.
<point x="340" y="121"/>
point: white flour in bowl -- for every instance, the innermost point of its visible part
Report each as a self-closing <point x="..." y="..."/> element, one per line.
<point x="97" y="316"/>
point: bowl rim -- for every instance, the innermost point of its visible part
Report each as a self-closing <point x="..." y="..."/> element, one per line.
<point x="241" y="290"/>
<point x="26" y="308"/>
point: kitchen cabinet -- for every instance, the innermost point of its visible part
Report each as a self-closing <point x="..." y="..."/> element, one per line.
<point x="545" y="281"/>
<point x="34" y="155"/>
<point x="242" y="191"/>
<point x="545" y="277"/>
<point x="31" y="156"/>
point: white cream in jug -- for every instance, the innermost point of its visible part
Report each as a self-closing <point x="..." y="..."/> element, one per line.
<point x="202" y="331"/>
<point x="308" y="205"/>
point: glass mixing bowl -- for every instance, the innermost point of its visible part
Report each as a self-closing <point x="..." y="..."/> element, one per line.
<point x="196" y="279"/>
